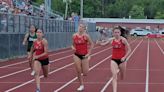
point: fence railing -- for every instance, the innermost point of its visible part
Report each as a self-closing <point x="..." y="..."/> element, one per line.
<point x="57" y="32"/>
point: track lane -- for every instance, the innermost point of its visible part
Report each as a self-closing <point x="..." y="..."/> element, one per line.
<point x="156" y="66"/>
<point x="100" y="79"/>
<point x="135" y="66"/>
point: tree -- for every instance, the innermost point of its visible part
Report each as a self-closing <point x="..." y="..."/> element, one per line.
<point x="137" y="12"/>
<point x="150" y="8"/>
<point x="92" y="8"/>
<point x="120" y="9"/>
<point x="75" y="6"/>
<point x="112" y="8"/>
<point x="160" y="15"/>
<point x="160" y="12"/>
<point x="58" y="5"/>
<point x="39" y="1"/>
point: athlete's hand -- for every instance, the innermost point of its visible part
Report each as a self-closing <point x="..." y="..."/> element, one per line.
<point x="98" y="42"/>
<point x="123" y="59"/>
<point x="87" y="55"/>
<point x="29" y="57"/>
<point x="35" y="57"/>
<point x="24" y="43"/>
<point x="73" y="48"/>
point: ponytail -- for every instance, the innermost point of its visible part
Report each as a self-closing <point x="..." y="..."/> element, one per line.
<point x="123" y="31"/>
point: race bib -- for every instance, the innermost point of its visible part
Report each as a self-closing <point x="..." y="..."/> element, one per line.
<point x="32" y="39"/>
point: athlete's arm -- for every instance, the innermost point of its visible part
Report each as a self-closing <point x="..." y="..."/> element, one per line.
<point x="105" y="42"/>
<point x="90" y="42"/>
<point x="73" y="44"/>
<point x="25" y="38"/>
<point x="31" y="52"/>
<point x="128" y="49"/>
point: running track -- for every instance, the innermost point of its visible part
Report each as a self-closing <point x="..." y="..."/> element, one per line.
<point x="144" y="71"/>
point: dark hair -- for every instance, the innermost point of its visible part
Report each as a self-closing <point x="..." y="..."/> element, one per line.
<point x="40" y="30"/>
<point x="123" y="31"/>
<point x="36" y="29"/>
<point x="34" y="26"/>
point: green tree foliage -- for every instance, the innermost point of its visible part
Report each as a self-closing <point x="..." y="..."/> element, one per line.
<point x="137" y="12"/>
<point x="113" y="8"/>
<point x="39" y="1"/>
<point x="58" y="5"/>
<point x="92" y="8"/>
<point x="160" y="15"/>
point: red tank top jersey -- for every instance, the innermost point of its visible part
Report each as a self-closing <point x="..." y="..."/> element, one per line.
<point x="118" y="49"/>
<point x="80" y="43"/>
<point x="39" y="49"/>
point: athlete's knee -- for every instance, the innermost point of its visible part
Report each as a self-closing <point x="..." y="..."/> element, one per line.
<point x="36" y="75"/>
<point x="85" y="73"/>
<point x="115" y="76"/>
<point x="36" y="72"/>
<point x="46" y="75"/>
<point x="79" y="72"/>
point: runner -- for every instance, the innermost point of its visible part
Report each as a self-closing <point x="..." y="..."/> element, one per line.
<point x="81" y="57"/>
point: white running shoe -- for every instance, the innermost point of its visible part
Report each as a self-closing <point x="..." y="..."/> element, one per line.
<point x="33" y="73"/>
<point x="80" y="88"/>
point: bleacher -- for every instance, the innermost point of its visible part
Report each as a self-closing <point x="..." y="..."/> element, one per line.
<point x="27" y="8"/>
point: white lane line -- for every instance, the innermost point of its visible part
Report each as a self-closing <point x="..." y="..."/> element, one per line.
<point x="13" y="73"/>
<point x="57" y="90"/>
<point x="54" y="82"/>
<point x="159" y="47"/>
<point x="21" y="62"/>
<point x="25" y="83"/>
<point x="147" y="68"/>
<point x="122" y="83"/>
<point x="7" y="75"/>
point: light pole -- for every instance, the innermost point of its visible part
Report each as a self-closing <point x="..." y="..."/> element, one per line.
<point x="81" y="8"/>
<point x="66" y="7"/>
<point x="47" y="7"/>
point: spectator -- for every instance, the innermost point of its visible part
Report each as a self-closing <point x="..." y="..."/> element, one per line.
<point x="76" y="19"/>
<point x="3" y="23"/>
<point x="42" y="7"/>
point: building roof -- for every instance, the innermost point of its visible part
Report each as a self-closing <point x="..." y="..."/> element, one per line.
<point x="119" y="20"/>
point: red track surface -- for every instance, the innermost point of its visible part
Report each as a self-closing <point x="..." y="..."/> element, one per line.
<point x="144" y="71"/>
